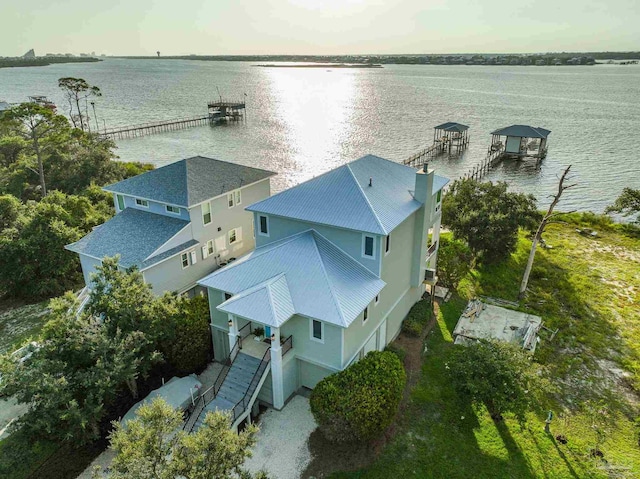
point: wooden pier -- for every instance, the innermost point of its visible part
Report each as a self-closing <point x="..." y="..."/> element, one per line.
<point x="144" y="129"/>
<point x="449" y="137"/>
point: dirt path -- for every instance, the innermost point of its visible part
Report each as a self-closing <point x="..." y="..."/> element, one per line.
<point x="328" y="457"/>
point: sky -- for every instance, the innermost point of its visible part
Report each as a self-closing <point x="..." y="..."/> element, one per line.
<point x="318" y="27"/>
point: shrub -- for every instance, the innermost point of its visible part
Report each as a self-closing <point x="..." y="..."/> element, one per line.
<point x="397" y="350"/>
<point x="359" y="403"/>
<point x="417" y="319"/>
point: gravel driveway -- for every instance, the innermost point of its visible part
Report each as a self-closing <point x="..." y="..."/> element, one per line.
<point x="282" y="448"/>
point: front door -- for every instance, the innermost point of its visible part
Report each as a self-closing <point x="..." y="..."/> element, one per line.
<point x="267" y="332"/>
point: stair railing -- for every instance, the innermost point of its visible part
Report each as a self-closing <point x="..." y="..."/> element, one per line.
<point x="241" y="406"/>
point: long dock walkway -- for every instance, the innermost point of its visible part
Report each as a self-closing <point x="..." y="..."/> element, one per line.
<point x="154" y="127"/>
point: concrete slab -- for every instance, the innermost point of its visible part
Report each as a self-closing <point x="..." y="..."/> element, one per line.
<point x="486" y="321"/>
<point x="282" y="449"/>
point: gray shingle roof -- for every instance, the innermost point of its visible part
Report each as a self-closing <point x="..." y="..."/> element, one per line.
<point x="133" y="234"/>
<point x="522" y="131"/>
<point x="306" y="271"/>
<point x="342" y="197"/>
<point x="189" y="182"/>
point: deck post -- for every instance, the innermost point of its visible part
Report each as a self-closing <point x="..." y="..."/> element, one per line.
<point x="276" y="369"/>
<point x="233" y="331"/>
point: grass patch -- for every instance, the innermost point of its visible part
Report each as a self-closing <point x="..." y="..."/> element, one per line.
<point x="589" y="288"/>
<point x="19" y="323"/>
<point x="417" y="319"/>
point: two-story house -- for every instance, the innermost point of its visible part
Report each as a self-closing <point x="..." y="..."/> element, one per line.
<point x="178" y="223"/>
<point x="339" y="261"/>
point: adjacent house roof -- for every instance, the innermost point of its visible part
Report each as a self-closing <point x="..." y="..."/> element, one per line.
<point x="189" y="182"/>
<point x="342" y="197"/>
<point x="452" y="126"/>
<point x="523" y="131"/>
<point x="304" y="274"/>
<point x="133" y="234"/>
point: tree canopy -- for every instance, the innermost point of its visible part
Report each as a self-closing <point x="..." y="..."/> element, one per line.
<point x="628" y="203"/>
<point x="76" y="90"/>
<point x="151" y="446"/>
<point x="487" y="216"/>
<point x="499" y="375"/>
<point x="75" y="372"/>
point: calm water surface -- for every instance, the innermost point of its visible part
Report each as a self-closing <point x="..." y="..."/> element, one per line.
<point x="303" y="122"/>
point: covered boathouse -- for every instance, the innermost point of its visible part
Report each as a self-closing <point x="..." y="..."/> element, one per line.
<point x="521" y="141"/>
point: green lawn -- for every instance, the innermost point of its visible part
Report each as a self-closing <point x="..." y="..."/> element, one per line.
<point x="20" y="323"/>
<point x="584" y="286"/>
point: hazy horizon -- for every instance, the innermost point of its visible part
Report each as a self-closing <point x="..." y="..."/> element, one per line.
<point x="316" y="27"/>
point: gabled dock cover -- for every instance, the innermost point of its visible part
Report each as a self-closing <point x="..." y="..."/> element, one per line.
<point x="452" y="126"/>
<point x="305" y="272"/>
<point x="523" y="131"/>
<point x="189" y="182"/>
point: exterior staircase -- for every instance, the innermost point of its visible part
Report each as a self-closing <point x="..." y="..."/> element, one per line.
<point x="237" y="391"/>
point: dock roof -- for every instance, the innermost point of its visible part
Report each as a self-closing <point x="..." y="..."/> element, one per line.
<point x="302" y="274"/>
<point x="133" y="234"/>
<point x="189" y="182"/>
<point x="522" y="131"/>
<point x="343" y="198"/>
<point x="452" y="126"/>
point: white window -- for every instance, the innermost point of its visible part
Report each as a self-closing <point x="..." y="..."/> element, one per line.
<point x="238" y="197"/>
<point x="317" y="331"/>
<point x="193" y="256"/>
<point x="235" y="235"/>
<point x="368" y="246"/>
<point x="143" y="203"/>
<point x="206" y="213"/>
<point x="263" y="225"/>
<point x="185" y="260"/>
<point x="387" y="244"/>
<point x="207" y="249"/>
<point x="365" y="314"/>
<point x="172" y="209"/>
<point x="120" y="200"/>
<point x="230" y="200"/>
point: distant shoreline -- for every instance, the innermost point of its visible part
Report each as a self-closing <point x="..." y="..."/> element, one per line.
<point x="43" y="61"/>
<point x="320" y="65"/>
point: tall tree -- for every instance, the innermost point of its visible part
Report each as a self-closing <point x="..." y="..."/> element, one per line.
<point x="40" y="127"/>
<point x="538" y="235"/>
<point x="73" y="375"/>
<point x="488" y="217"/>
<point x="76" y="90"/>
<point x="628" y="203"/>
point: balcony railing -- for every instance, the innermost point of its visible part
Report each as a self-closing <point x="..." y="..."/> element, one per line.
<point x="287" y="345"/>
<point x="432" y="249"/>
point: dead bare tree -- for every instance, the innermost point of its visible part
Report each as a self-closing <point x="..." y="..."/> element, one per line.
<point x="543" y="224"/>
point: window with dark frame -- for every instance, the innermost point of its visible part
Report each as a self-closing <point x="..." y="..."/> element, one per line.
<point x="264" y="225"/>
<point x="317" y="329"/>
<point x="368" y="246"/>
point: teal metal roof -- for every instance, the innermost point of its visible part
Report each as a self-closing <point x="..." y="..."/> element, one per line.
<point x="268" y="303"/>
<point x="133" y="234"/>
<point x="343" y="198"/>
<point x="189" y="182"/>
<point x="305" y="271"/>
<point x="522" y="131"/>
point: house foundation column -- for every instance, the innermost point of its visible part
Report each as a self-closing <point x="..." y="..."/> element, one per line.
<point x="277" y="378"/>
<point x="233" y="331"/>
